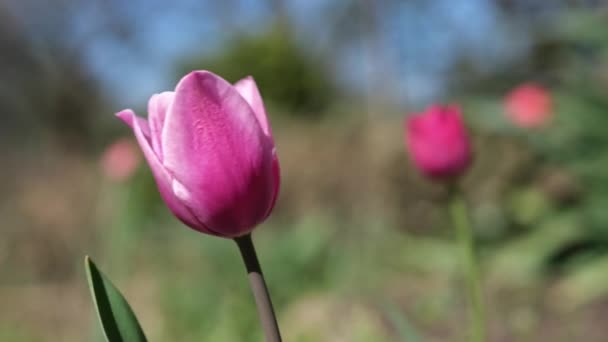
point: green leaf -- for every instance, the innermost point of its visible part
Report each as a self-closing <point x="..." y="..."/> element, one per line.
<point x="116" y="316"/>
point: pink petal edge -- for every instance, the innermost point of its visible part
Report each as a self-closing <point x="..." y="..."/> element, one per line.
<point x="163" y="179"/>
<point x="250" y="92"/>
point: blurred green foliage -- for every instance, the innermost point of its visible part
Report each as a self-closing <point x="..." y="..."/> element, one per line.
<point x="556" y="208"/>
<point x="288" y="77"/>
<point x="543" y="227"/>
<point x="359" y="247"/>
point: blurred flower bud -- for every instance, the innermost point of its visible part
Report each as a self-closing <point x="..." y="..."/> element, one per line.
<point x="120" y="160"/>
<point x="438" y="142"/>
<point x="529" y="106"/>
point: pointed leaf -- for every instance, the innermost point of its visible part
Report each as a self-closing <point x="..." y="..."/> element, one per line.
<point x="116" y="316"/>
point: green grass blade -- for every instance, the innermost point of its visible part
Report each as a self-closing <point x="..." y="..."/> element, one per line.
<point x="117" y="319"/>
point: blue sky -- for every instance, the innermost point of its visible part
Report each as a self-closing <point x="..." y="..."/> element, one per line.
<point x="420" y="42"/>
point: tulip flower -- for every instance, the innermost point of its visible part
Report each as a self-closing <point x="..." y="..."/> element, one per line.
<point x="529" y="106"/>
<point x="210" y="148"/>
<point x="120" y="160"/>
<point x="438" y="142"/>
<point x="212" y="154"/>
<point x="440" y="148"/>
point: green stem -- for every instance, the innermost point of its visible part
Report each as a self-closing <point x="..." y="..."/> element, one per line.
<point x="460" y="220"/>
<point x="259" y="289"/>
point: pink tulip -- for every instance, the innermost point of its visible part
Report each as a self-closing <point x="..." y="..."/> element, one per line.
<point x="120" y="160"/>
<point x="529" y="106"/>
<point x="211" y="151"/>
<point x="438" y="142"/>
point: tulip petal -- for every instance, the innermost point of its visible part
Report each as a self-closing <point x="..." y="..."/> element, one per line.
<point x="276" y="176"/>
<point x="163" y="178"/>
<point x="213" y="143"/>
<point x="249" y="91"/>
<point x="157" y="110"/>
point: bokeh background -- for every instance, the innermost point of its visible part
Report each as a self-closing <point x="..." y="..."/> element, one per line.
<point x="359" y="247"/>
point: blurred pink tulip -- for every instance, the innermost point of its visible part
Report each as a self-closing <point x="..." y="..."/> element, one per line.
<point x="529" y="106"/>
<point x="120" y="160"/>
<point x="211" y="151"/>
<point x="438" y="142"/>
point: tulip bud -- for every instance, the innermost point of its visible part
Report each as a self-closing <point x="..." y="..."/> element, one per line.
<point x="120" y="160"/>
<point x="210" y="148"/>
<point x="529" y="106"/>
<point x="438" y="142"/>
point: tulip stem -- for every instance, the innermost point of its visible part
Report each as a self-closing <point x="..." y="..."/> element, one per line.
<point x="258" y="286"/>
<point x="460" y="219"/>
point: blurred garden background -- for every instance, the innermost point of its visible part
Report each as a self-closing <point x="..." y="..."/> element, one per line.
<point x="359" y="247"/>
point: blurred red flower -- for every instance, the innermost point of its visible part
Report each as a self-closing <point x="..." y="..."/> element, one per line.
<point x="438" y="142"/>
<point x="529" y="105"/>
<point x="120" y="160"/>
